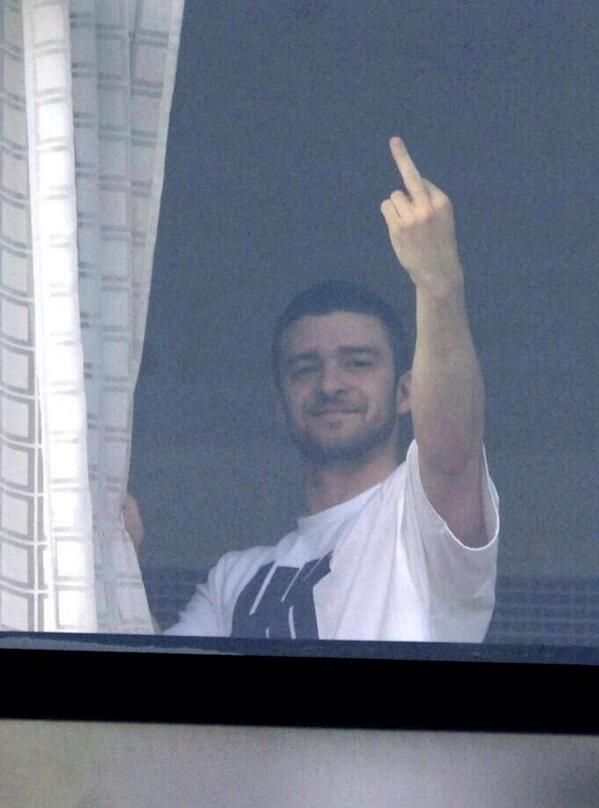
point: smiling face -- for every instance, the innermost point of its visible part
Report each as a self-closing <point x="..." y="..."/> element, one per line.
<point x="339" y="391"/>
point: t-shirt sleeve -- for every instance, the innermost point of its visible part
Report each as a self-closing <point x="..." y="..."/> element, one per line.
<point x="209" y="613"/>
<point x="460" y="580"/>
<point x="199" y="618"/>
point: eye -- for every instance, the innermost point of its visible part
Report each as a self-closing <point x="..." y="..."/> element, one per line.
<point x="302" y="371"/>
<point x="358" y="364"/>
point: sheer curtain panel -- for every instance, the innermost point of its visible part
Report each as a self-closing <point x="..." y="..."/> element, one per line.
<point x="85" y="96"/>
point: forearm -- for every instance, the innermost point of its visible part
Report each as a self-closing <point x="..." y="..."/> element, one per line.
<point x="447" y="393"/>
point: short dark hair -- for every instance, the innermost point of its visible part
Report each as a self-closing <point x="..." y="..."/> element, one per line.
<point x="329" y="296"/>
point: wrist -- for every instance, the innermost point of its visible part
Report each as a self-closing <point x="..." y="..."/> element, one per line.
<point x="446" y="291"/>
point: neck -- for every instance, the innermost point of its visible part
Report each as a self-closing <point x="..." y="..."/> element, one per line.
<point x="326" y="486"/>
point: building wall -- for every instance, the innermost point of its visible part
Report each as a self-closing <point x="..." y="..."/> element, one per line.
<point x="78" y="765"/>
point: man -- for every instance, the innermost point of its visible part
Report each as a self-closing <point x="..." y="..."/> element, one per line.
<point x="387" y="551"/>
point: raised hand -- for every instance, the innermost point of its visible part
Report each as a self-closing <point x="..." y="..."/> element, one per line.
<point x="421" y="228"/>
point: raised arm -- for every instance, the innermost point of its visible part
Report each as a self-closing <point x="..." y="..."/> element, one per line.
<point x="446" y="391"/>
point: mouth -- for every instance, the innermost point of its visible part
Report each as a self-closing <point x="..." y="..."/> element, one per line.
<point x="333" y="412"/>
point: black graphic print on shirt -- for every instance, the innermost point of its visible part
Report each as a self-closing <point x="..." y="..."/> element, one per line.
<point x="286" y="607"/>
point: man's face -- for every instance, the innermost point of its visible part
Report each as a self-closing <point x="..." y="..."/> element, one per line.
<point x="338" y="387"/>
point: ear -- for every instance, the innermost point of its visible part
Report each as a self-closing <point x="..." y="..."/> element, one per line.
<point x="280" y="410"/>
<point x="402" y="394"/>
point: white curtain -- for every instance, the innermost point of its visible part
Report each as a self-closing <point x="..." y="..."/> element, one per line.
<point x="85" y="95"/>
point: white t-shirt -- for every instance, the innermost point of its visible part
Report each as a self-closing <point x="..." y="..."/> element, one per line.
<point x="382" y="566"/>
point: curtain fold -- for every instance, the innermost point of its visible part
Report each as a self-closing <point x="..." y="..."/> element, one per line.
<point x="85" y="97"/>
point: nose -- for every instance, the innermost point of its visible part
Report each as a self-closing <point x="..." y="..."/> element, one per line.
<point x="331" y="380"/>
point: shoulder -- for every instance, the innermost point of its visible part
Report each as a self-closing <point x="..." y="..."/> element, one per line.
<point x="394" y="485"/>
<point x="434" y="523"/>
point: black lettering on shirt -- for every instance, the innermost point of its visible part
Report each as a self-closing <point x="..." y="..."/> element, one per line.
<point x="286" y="608"/>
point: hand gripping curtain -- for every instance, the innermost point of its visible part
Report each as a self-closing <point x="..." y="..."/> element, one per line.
<point x="85" y="95"/>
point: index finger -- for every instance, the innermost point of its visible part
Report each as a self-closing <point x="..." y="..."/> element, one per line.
<point x="410" y="175"/>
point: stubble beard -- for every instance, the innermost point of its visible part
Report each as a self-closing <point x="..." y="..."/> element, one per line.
<point x="354" y="450"/>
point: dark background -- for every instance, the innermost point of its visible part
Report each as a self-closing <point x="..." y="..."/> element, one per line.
<point x="277" y="163"/>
